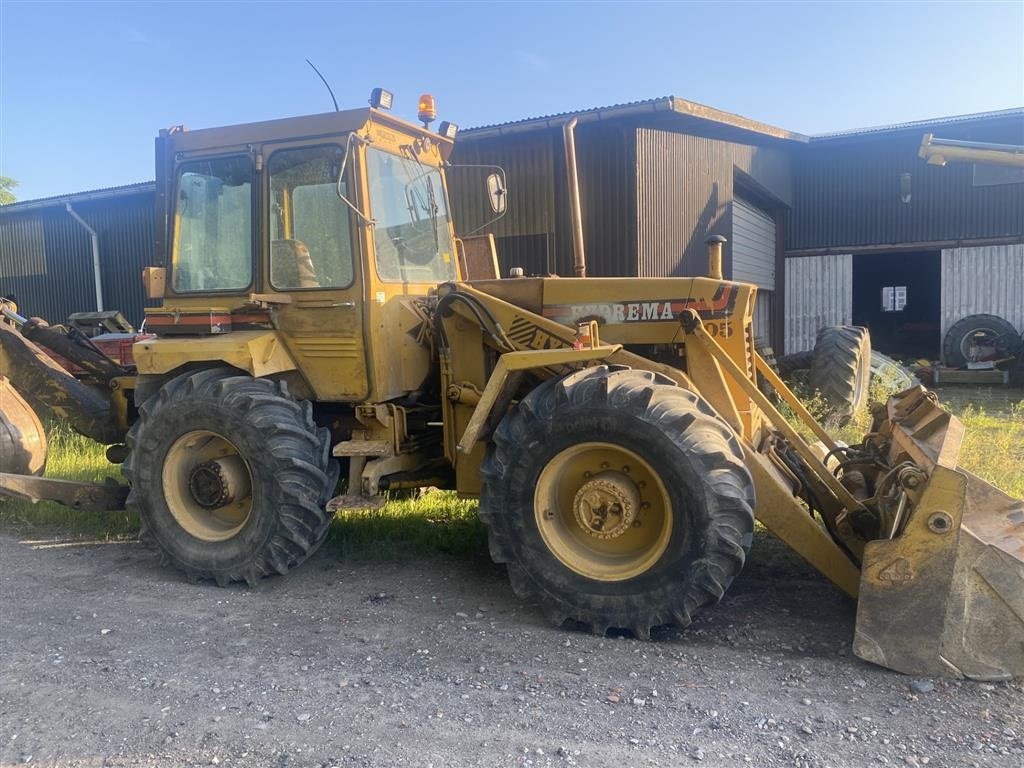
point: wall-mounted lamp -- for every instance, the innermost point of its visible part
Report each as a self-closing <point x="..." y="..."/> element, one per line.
<point x="905" y="187"/>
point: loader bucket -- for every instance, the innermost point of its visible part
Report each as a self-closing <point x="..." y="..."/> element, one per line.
<point x="945" y="595"/>
<point x="22" y="439"/>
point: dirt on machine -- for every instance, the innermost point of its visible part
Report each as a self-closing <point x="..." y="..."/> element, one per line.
<point x="325" y="338"/>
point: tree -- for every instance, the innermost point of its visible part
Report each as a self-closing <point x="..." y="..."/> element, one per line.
<point x="6" y="185"/>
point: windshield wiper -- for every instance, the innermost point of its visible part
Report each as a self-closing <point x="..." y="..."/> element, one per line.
<point x="432" y="200"/>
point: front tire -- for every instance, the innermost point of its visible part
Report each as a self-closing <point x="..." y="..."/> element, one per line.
<point x="617" y="498"/>
<point x="229" y="476"/>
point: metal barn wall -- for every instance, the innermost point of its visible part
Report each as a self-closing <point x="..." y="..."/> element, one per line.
<point x="536" y="232"/>
<point x="819" y="292"/>
<point x="46" y="256"/>
<point x="606" y="160"/>
<point x="523" y="233"/>
<point x="685" y="185"/>
<point x="983" y="280"/>
<point x="847" y="192"/>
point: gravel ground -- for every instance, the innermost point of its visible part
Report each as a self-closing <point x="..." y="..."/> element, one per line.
<point x="108" y="659"/>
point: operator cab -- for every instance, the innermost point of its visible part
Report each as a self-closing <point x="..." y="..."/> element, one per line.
<point x="327" y="229"/>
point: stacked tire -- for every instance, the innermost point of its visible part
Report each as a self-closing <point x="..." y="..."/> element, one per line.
<point x="838" y="368"/>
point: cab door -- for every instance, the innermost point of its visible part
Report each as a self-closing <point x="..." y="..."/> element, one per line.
<point x="312" y="259"/>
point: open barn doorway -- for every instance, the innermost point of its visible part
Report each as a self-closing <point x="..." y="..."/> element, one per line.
<point x="897" y="296"/>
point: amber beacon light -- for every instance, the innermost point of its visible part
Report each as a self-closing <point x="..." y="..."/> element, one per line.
<point x="427" y="111"/>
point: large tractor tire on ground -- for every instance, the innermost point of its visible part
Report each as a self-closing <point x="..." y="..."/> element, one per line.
<point x="890" y="375"/>
<point x="229" y="476"/>
<point x="980" y="337"/>
<point x="841" y="369"/>
<point x="618" y="499"/>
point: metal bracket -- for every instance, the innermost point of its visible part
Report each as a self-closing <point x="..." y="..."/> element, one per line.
<point x="521" y="361"/>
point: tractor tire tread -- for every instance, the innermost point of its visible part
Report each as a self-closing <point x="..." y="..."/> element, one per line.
<point x="295" y="449"/>
<point x="695" y="429"/>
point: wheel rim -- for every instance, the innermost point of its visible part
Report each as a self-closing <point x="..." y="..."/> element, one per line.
<point x="207" y="485"/>
<point x="603" y="511"/>
<point x="979" y="338"/>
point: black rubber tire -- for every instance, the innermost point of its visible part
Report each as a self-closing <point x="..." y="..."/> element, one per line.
<point x="841" y="369"/>
<point x="890" y="375"/>
<point x="1008" y="341"/>
<point x="768" y="354"/>
<point x="293" y="474"/>
<point x="699" y="459"/>
<point x="798" y="361"/>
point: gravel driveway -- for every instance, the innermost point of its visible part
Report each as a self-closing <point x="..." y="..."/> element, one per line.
<point x="109" y="659"/>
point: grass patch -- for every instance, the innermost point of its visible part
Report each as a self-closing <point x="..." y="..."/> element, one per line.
<point x="440" y="522"/>
<point x="71" y="457"/>
<point x="993" y="446"/>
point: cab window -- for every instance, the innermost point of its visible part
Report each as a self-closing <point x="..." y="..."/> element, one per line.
<point x="310" y="236"/>
<point x="213" y="225"/>
<point x="411" y="232"/>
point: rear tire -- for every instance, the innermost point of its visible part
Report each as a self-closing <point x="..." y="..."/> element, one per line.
<point x="683" y="527"/>
<point x="841" y="369"/>
<point x="229" y="476"/>
<point x="992" y="331"/>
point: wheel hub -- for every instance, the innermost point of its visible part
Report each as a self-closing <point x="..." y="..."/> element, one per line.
<point x="606" y="506"/>
<point x="209" y="486"/>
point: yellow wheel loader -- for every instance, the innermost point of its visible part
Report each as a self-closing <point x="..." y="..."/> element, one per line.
<point x="322" y="328"/>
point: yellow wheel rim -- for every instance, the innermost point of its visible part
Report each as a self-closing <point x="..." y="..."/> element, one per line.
<point x="207" y="485"/>
<point x="603" y="511"/>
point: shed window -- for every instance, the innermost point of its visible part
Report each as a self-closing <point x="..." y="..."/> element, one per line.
<point x="894" y="298"/>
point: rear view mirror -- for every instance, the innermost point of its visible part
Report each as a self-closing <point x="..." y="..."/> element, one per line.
<point x="496" y="193"/>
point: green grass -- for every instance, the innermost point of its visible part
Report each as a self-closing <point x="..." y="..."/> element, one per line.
<point x="440" y="522"/>
<point x="71" y="457"/>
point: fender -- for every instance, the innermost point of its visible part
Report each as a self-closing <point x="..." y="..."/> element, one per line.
<point x="260" y="353"/>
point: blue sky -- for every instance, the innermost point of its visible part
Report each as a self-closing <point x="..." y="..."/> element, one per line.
<point x="84" y="87"/>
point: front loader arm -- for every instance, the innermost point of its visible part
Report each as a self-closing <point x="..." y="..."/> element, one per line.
<point x="940" y="551"/>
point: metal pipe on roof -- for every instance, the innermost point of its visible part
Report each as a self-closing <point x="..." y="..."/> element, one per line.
<point x="579" y="263"/>
<point x="940" y="151"/>
<point x="95" y="255"/>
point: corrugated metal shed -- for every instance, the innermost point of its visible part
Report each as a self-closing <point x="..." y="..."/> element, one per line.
<point x="983" y="280"/>
<point x="753" y="245"/>
<point x="819" y="292"/>
<point x="917" y="125"/>
<point x="535" y="233"/>
<point x="685" y="185"/>
<point x="847" y="190"/>
<point x="46" y="256"/>
<point x="682" y="112"/>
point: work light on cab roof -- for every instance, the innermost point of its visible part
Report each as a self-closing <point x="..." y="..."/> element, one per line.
<point x="381" y="99"/>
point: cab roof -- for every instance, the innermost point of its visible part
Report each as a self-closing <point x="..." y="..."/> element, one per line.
<point x="303" y="127"/>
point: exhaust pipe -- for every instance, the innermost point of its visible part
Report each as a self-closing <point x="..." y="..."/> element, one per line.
<point x="579" y="264"/>
<point x="714" y="244"/>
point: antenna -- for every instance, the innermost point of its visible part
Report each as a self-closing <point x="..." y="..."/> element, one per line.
<point x="326" y="84"/>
